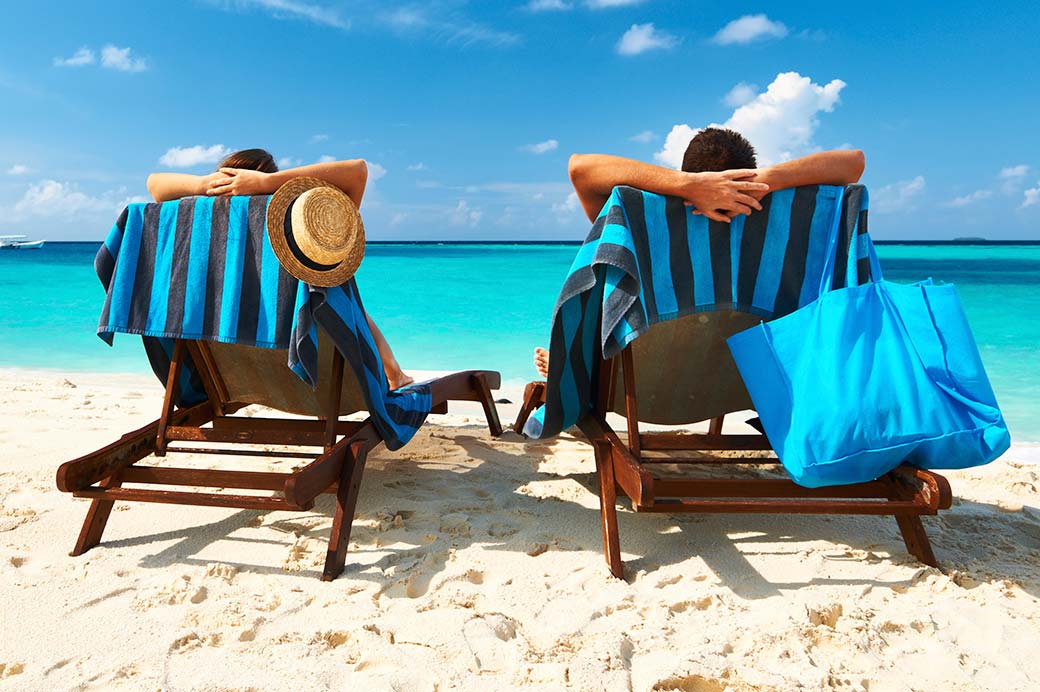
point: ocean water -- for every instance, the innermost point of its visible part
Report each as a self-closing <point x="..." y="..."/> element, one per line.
<point x="451" y="306"/>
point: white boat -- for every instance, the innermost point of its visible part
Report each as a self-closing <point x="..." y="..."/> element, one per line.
<point x="19" y="242"/>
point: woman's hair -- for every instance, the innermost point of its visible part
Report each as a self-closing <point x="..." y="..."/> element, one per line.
<point x="250" y="159"/>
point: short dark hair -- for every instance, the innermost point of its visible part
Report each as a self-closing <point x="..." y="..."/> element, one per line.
<point x="718" y="149"/>
<point x="250" y="159"/>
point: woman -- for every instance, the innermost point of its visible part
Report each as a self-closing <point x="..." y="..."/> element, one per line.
<point x="254" y="172"/>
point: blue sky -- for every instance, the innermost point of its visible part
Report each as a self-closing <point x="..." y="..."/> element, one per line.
<point x="467" y="111"/>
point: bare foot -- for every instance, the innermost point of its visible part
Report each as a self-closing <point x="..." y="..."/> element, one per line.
<point x="399" y="379"/>
<point x="541" y="361"/>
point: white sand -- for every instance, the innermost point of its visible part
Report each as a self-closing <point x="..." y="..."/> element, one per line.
<point x="476" y="564"/>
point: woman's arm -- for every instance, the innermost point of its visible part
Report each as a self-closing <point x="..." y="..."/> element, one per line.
<point x="714" y="194"/>
<point x="166" y="186"/>
<point x="349" y="176"/>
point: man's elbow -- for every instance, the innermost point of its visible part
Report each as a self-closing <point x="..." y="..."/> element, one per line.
<point x="577" y="168"/>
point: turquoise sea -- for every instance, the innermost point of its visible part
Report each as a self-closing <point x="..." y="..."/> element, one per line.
<point x="451" y="306"/>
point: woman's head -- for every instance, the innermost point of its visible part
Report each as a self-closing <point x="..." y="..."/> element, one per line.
<point x="250" y="159"/>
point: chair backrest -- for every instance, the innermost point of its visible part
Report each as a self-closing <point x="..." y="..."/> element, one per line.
<point x="684" y="372"/>
<point x="260" y="376"/>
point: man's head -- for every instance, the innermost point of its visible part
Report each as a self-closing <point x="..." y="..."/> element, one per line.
<point x="718" y="149"/>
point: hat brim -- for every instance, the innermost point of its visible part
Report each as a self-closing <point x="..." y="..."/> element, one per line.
<point x="276" y="211"/>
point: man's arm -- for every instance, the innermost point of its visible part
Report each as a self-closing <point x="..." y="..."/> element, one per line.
<point x="839" y="167"/>
<point x="714" y="194"/>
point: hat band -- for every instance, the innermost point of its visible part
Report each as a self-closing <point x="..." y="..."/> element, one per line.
<point x="295" y="249"/>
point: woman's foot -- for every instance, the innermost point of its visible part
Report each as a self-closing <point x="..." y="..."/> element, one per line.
<point x="398" y="378"/>
<point x="541" y="361"/>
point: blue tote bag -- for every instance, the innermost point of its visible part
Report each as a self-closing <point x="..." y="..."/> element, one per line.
<point x="867" y="377"/>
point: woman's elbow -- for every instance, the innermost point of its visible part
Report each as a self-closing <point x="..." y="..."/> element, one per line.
<point x="858" y="164"/>
<point x="154" y="187"/>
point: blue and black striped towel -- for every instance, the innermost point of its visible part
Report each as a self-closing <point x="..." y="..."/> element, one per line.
<point x="203" y="268"/>
<point x="647" y="259"/>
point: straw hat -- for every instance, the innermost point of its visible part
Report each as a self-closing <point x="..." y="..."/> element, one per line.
<point x="316" y="231"/>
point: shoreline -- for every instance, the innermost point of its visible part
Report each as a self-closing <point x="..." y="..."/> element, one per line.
<point x="512" y="390"/>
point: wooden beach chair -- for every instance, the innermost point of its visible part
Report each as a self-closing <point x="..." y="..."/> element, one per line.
<point x="680" y="372"/>
<point x="235" y="376"/>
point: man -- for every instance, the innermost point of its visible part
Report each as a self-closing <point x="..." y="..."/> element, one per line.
<point x="719" y="179"/>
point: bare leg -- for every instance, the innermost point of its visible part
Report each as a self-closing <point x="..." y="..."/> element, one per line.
<point x="396" y="377"/>
<point x="541" y="361"/>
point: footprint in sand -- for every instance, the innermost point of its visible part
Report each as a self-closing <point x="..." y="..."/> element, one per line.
<point x="493" y="642"/>
<point x="9" y="670"/>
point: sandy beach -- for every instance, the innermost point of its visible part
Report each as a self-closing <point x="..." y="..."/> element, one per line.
<point x="476" y="564"/>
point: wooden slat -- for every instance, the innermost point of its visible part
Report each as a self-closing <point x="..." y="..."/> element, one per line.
<point x="260" y="453"/>
<point x="700" y="441"/>
<point x="882" y="507"/>
<point x="635" y="481"/>
<point x="173" y="497"/>
<point x="206" y="478"/>
<point x="761" y="487"/>
<point x="245" y="436"/>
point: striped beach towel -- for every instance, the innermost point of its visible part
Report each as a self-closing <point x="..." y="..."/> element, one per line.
<point x="647" y="259"/>
<point x="203" y="268"/>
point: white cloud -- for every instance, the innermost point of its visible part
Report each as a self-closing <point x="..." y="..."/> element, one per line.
<point x="740" y="94"/>
<point x="1031" y="197"/>
<point x="971" y="198"/>
<point x="749" y="28"/>
<point x="187" y="157"/>
<point x="542" y="147"/>
<point x="51" y="198"/>
<point x="548" y="6"/>
<point x="641" y="38"/>
<point x="415" y="19"/>
<point x="1019" y="171"/>
<point x="291" y="9"/>
<point x="417" y="167"/>
<point x="325" y="158"/>
<point x="84" y="56"/>
<point x="115" y="58"/>
<point x="288" y="162"/>
<point x="675" y="144"/>
<point x="464" y="215"/>
<point x="898" y="196"/>
<point x="320" y="137"/>
<point x="567" y="209"/>
<point x="18" y="169"/>
<point x="780" y="122"/>
<point x="644" y="136"/>
<point x="375" y="171"/>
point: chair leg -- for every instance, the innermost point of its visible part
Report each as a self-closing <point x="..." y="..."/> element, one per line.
<point x="488" y="402"/>
<point x="96" y="519"/>
<point x="916" y="539"/>
<point x="608" y="509"/>
<point x="346" y="504"/>
<point x="534" y="396"/>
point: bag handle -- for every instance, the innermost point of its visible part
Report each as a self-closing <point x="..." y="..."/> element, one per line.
<point x="857" y="195"/>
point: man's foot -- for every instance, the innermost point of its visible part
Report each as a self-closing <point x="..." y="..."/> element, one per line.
<point x="399" y="379"/>
<point x="541" y="361"/>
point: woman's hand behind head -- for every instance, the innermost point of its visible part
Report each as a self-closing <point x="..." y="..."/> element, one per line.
<point x="238" y="181"/>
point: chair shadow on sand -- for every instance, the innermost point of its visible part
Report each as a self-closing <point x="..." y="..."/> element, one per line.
<point x="487" y="500"/>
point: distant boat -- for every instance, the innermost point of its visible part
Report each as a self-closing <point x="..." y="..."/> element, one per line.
<point x="18" y="242"/>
